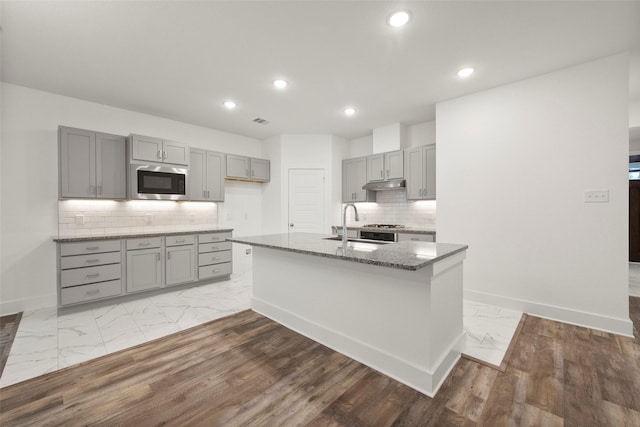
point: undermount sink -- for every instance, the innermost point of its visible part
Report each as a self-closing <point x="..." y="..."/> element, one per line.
<point x="371" y="242"/>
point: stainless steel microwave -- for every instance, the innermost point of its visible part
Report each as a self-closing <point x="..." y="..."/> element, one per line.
<point x="155" y="182"/>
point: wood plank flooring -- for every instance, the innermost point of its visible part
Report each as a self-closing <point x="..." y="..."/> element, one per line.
<point x="8" y="330"/>
<point x="246" y="370"/>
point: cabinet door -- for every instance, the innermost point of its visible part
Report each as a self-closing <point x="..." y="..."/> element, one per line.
<point x="77" y="163"/>
<point x="237" y="166"/>
<point x="146" y="148"/>
<point x="414" y="159"/>
<point x="197" y="175"/>
<point x="394" y="164"/>
<point x="430" y="172"/>
<point x="111" y="172"/>
<point x="260" y="169"/>
<point x="215" y="164"/>
<point x="347" y="179"/>
<point x="144" y="269"/>
<point x="360" y="172"/>
<point x="181" y="264"/>
<point x="175" y="153"/>
<point x="375" y="167"/>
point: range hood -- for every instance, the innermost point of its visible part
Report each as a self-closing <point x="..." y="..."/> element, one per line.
<point x="391" y="184"/>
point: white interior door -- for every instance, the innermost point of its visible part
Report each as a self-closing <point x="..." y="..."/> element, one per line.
<point x="306" y="200"/>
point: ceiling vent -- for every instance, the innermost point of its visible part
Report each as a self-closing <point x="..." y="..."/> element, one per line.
<point x="261" y="121"/>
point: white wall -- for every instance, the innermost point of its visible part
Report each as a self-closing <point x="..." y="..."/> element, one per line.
<point x="29" y="178"/>
<point x="272" y="203"/>
<point x="634" y="114"/>
<point x="360" y="147"/>
<point x="513" y="165"/>
<point x="421" y="134"/>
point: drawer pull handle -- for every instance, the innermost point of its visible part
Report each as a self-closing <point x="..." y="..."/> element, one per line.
<point x="93" y="275"/>
<point x="180" y="241"/>
<point x="144" y="244"/>
<point x="216" y="271"/>
<point x="214" y="258"/>
<point x="92" y="248"/>
<point x="95" y="292"/>
<point x="92" y="260"/>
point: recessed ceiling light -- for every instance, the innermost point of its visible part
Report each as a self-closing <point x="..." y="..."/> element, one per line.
<point x="280" y="84"/>
<point x="230" y="105"/>
<point x="349" y="111"/>
<point x="465" y="72"/>
<point x="400" y="18"/>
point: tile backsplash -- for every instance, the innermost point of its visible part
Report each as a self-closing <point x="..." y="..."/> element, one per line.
<point x="392" y="207"/>
<point x="104" y="217"/>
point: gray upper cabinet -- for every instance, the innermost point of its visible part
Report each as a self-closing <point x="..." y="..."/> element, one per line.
<point x="148" y="148"/>
<point x="354" y="176"/>
<point x="375" y="167"/>
<point x="385" y="166"/>
<point x="241" y="167"/>
<point x="91" y="164"/>
<point x="394" y="164"/>
<point x="420" y="163"/>
<point x="206" y="176"/>
<point x="260" y="170"/>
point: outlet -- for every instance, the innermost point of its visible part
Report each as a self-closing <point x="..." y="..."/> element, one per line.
<point x="79" y="219"/>
<point x="248" y="251"/>
<point x="192" y="217"/>
<point x="149" y="218"/>
<point x="596" y="196"/>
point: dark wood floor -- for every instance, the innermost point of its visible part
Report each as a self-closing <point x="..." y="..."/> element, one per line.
<point x="8" y="330"/>
<point x="246" y="370"/>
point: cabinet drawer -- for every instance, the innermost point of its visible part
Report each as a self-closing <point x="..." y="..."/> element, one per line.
<point x="90" y="292"/>
<point x="180" y="240"/>
<point x="213" y="247"/>
<point x="80" y="276"/>
<point x="78" y="261"/>
<point x="211" y="271"/>
<point x="92" y="247"/>
<point x="403" y="237"/>
<point x="213" y="237"/>
<point x="144" y="243"/>
<point x="214" y="258"/>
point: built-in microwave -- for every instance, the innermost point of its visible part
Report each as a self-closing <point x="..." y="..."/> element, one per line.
<point x="155" y="182"/>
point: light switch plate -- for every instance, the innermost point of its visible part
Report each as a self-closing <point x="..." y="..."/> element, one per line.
<point x="79" y="219"/>
<point x="596" y="196"/>
<point x="149" y="218"/>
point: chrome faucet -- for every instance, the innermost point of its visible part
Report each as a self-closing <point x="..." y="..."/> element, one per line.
<point x="344" y="221"/>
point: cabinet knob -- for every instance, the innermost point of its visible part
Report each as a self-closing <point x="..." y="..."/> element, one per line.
<point x="158" y="154"/>
<point x="291" y="225"/>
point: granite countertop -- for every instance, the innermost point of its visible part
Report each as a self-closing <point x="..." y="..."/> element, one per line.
<point x="408" y="230"/>
<point x="114" y="236"/>
<point x="409" y="255"/>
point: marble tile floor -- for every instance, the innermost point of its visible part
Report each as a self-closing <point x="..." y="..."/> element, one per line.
<point x="47" y="340"/>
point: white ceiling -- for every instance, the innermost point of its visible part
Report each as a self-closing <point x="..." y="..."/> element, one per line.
<point x="181" y="60"/>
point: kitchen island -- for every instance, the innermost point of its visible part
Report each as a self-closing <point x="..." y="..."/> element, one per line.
<point x="394" y="307"/>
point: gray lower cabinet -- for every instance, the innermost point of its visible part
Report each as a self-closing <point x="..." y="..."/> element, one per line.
<point x="144" y="264"/>
<point x="98" y="269"/>
<point x="89" y="271"/>
<point x="180" y="260"/>
<point x="206" y="176"/>
<point x="420" y="172"/>
<point x="214" y="256"/>
<point x="91" y="164"/>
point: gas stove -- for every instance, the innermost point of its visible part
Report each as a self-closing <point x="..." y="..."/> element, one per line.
<point x="386" y="226"/>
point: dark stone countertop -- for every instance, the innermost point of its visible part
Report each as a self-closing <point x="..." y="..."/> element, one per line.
<point x="87" y="238"/>
<point x="409" y="255"/>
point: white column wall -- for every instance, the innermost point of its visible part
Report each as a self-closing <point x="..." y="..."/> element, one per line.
<point x="513" y="165"/>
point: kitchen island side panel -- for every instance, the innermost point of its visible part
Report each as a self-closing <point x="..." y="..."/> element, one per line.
<point x="379" y="316"/>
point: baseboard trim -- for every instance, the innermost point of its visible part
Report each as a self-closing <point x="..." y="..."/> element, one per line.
<point x="28" y="304"/>
<point x="585" y="319"/>
<point x="416" y="377"/>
